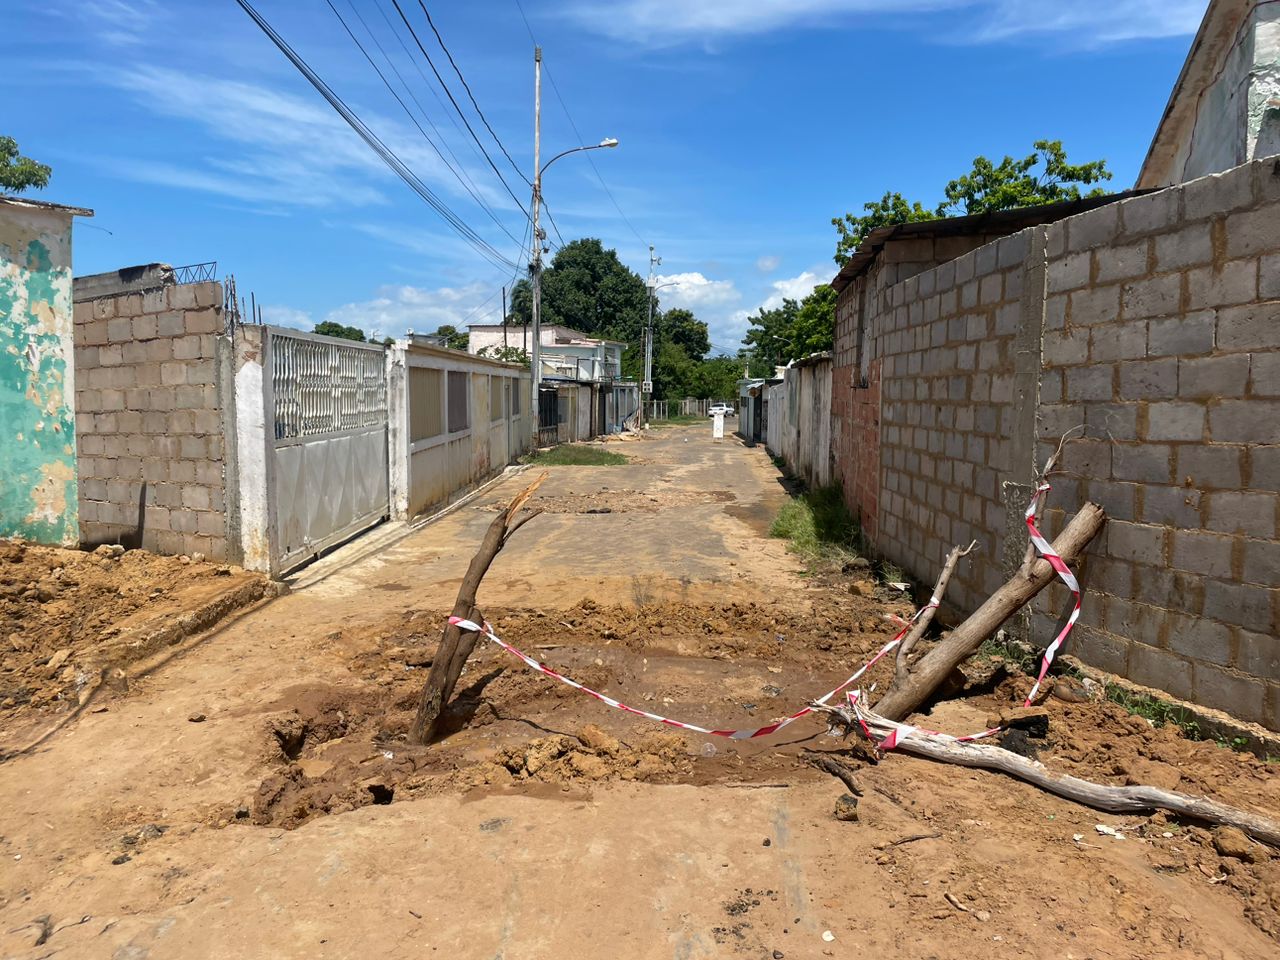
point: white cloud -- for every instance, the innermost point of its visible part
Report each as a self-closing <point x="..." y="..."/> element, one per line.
<point x="292" y="149"/>
<point x="672" y="22"/>
<point x="793" y="288"/>
<point x="768" y="263"/>
<point x="694" y="291"/>
<point x="393" y="310"/>
<point x="281" y="316"/>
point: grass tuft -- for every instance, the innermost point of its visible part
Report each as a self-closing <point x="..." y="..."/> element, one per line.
<point x="576" y="455"/>
<point x="1159" y="712"/>
<point x="820" y="528"/>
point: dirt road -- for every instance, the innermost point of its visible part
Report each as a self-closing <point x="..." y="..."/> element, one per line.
<point x="293" y="821"/>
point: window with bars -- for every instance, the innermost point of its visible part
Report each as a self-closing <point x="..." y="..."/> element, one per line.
<point x="495" y="397"/>
<point x="459" y="402"/>
<point x="426" y="413"/>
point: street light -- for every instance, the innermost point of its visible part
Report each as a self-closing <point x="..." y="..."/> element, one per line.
<point x="535" y="266"/>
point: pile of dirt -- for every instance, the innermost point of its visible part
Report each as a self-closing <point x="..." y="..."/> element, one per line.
<point x="596" y="755"/>
<point x="58" y="608"/>
<point x="605" y="500"/>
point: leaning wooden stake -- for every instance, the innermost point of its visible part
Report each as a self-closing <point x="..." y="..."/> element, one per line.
<point x="1099" y="797"/>
<point x="901" y="666"/>
<point x="455" y="645"/>
<point x="909" y="692"/>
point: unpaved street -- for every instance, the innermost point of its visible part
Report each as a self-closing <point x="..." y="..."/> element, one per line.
<point x="293" y="821"/>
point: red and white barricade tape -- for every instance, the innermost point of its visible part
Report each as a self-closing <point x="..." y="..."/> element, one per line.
<point x="900" y="730"/>
<point x="1064" y="574"/>
<point x="749" y="734"/>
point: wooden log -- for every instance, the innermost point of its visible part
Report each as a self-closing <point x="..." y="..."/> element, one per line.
<point x="928" y="674"/>
<point x="1131" y="799"/>
<point x="455" y="644"/>
<point x="901" y="666"/>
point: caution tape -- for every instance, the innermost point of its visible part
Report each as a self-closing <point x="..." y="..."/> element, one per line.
<point x="1064" y="574"/>
<point x="899" y="731"/>
<point x="749" y="734"/>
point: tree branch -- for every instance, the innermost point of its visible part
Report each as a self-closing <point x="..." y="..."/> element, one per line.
<point x="900" y="666"/>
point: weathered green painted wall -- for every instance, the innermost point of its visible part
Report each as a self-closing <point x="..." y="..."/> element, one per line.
<point x="38" y="496"/>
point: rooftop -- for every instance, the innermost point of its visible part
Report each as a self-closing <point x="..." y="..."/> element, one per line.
<point x="998" y="221"/>
<point x="45" y="205"/>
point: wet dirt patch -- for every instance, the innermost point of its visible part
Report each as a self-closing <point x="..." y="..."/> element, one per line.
<point x="605" y="501"/>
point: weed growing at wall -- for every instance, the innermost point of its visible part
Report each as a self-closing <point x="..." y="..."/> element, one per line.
<point x="821" y="529"/>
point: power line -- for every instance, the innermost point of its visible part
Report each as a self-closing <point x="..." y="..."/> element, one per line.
<point x="467" y="87"/>
<point x="449" y="94"/>
<point x="409" y="113"/>
<point x="577" y="133"/>
<point x="388" y="156"/>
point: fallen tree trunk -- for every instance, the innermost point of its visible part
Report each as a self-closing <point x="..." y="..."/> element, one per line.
<point x="1111" y="799"/>
<point x="456" y="645"/>
<point x="909" y="692"/>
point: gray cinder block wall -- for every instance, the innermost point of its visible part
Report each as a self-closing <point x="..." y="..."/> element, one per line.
<point x="148" y="413"/>
<point x="1152" y="326"/>
<point x="1162" y="337"/>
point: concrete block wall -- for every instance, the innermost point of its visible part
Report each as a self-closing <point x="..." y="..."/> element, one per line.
<point x="149" y="418"/>
<point x="945" y="342"/>
<point x="1162" y="339"/>
<point x="1152" y="326"/>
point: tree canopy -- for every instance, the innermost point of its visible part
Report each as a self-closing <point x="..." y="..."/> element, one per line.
<point x="18" y="173"/>
<point x="795" y="329"/>
<point x="331" y="328"/>
<point x="586" y="287"/>
<point x="1043" y="176"/>
<point x="454" y="338"/>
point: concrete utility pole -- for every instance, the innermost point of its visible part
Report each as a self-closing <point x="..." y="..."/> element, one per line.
<point x="535" y="265"/>
<point x="535" y="262"/>
<point x="646" y="388"/>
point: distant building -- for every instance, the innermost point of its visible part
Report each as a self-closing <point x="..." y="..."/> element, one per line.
<point x="584" y="394"/>
<point x="1225" y="107"/>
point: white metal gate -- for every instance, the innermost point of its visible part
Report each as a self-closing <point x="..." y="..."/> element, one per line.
<point x="327" y="469"/>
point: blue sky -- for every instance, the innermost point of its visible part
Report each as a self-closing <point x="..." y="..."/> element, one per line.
<point x="745" y="126"/>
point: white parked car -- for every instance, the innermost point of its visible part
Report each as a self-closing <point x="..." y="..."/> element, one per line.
<point x="721" y="408"/>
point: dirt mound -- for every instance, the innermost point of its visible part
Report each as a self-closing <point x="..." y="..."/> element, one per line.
<point x="59" y="610"/>
<point x="596" y="755"/>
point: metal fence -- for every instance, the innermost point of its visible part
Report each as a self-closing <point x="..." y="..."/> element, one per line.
<point x="324" y="386"/>
<point x="196" y="272"/>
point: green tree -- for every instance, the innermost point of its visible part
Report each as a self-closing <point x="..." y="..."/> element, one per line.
<point x="682" y="328"/>
<point x="331" y="328"/>
<point x="768" y="341"/>
<point x="793" y="330"/>
<point x="1043" y="176"/>
<point x="814" y="329"/>
<point x="588" y="288"/>
<point x="890" y="209"/>
<point x="454" y="338"/>
<point x="506" y="354"/>
<point x="17" y="172"/>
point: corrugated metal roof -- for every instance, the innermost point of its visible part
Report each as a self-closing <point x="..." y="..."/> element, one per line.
<point x="998" y="221"/>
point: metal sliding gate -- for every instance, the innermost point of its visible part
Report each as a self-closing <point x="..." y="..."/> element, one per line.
<point x="327" y="463"/>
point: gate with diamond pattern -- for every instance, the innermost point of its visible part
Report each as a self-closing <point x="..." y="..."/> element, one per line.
<point x="327" y="462"/>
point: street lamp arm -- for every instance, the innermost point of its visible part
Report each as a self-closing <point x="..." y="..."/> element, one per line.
<point x="606" y="142"/>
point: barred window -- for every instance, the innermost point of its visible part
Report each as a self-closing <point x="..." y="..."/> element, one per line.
<point x="495" y="397"/>
<point x="426" y="418"/>
<point x="459" y="404"/>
